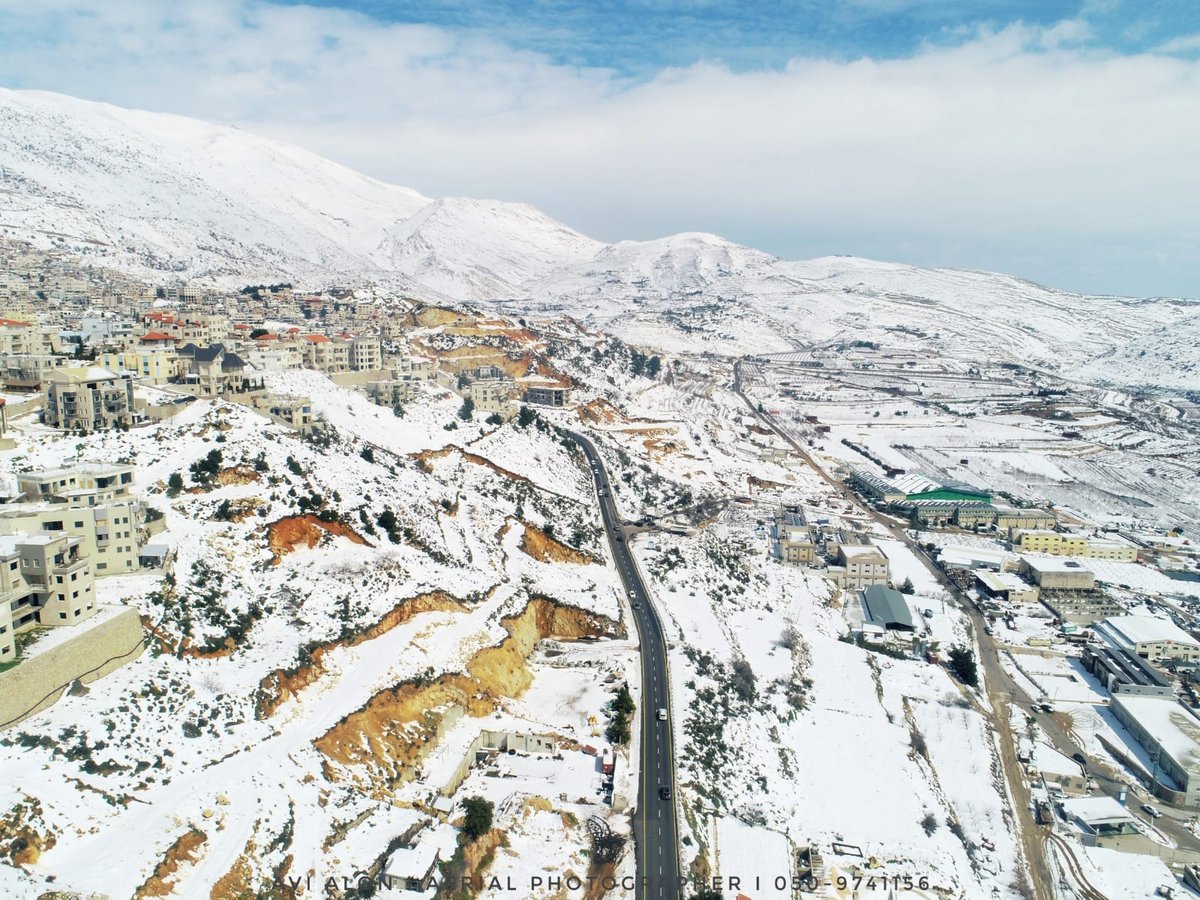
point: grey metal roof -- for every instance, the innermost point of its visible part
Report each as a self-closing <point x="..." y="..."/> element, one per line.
<point x="886" y="608"/>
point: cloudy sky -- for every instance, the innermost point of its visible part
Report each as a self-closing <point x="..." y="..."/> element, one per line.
<point x="1055" y="140"/>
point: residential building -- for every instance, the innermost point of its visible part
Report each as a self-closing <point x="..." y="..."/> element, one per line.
<point x="44" y="580"/>
<point x="296" y="412"/>
<point x="326" y="354"/>
<point x="19" y="338"/>
<point x="1150" y="637"/>
<point x="94" y="503"/>
<point x="148" y="365"/>
<point x="547" y="395"/>
<point x="213" y="371"/>
<point x="89" y="399"/>
<point x="29" y="372"/>
<point x="493" y="395"/>
<point x="365" y="353"/>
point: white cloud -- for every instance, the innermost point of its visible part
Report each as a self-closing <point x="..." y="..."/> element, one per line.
<point x="1027" y="150"/>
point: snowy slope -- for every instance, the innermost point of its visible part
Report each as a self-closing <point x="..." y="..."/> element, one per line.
<point x="158" y="194"/>
<point x="164" y="195"/>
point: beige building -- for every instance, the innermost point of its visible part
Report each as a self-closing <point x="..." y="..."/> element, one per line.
<point x="1057" y="574"/>
<point x="18" y="338"/>
<point x="493" y="395"/>
<point x="91" y="399"/>
<point x="326" y="354"/>
<point x="30" y="372"/>
<point x="45" y="579"/>
<point x="1052" y="542"/>
<point x="148" y="365"/>
<point x="365" y="354"/>
<point x="296" y="412"/>
<point x="92" y="503"/>
<point x="859" y="566"/>
<point x="1011" y="518"/>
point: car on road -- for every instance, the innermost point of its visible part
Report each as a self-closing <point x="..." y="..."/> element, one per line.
<point x="989" y="630"/>
<point x="620" y="538"/>
<point x="665" y="792"/>
<point x="1151" y="811"/>
<point x="636" y="605"/>
<point x="662" y="715"/>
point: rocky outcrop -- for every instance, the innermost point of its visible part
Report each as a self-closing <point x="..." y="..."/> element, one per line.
<point x="286" y="534"/>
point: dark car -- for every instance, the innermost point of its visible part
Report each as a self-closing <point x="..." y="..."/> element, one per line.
<point x="620" y="538"/>
<point x="665" y="792"/>
<point x="1079" y="758"/>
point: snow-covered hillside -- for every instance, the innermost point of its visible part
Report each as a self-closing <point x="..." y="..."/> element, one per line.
<point x="165" y="196"/>
<point x="160" y="194"/>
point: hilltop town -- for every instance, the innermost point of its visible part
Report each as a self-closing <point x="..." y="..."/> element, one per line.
<point x="294" y="573"/>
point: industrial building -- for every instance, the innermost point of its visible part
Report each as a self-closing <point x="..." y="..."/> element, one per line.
<point x="1150" y="637"/>
<point x="793" y="540"/>
<point x="858" y="566"/>
<point x="1005" y="586"/>
<point x="1171" y="735"/>
<point x="1052" y="573"/>
<point x="1122" y="672"/>
<point x="885" y="608"/>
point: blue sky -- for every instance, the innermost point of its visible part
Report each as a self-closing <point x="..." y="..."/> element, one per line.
<point x="639" y="38"/>
<point x="1051" y="140"/>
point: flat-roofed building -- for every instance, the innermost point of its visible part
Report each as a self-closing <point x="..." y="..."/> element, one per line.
<point x="493" y="395"/>
<point x="1050" y="573"/>
<point x="93" y="503"/>
<point x="1011" y="517"/>
<point x="148" y="365"/>
<point x="1171" y="734"/>
<point x="859" y="565"/>
<point x="1150" y="637"/>
<point x="1123" y="672"/>
<point x="1053" y="543"/>
<point x="88" y="399"/>
<point x="45" y="579"/>
<point x="1006" y="586"/>
<point x="1083" y="609"/>
<point x="793" y="539"/>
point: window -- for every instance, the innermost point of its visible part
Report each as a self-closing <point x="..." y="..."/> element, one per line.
<point x="75" y="595"/>
<point x="77" y="614"/>
<point x="52" y="526"/>
<point x="101" y="566"/>
<point x="12" y="566"/>
<point x="62" y="615"/>
<point x="78" y="524"/>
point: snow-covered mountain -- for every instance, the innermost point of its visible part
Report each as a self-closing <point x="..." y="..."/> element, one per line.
<point x="163" y="195"/>
<point x="157" y="194"/>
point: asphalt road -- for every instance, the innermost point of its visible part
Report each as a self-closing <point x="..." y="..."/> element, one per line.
<point x="655" y="827"/>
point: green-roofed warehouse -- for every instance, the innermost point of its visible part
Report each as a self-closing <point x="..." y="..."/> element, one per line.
<point x="953" y="492"/>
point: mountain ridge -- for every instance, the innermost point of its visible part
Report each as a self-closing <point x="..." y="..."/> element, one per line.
<point x="165" y="196"/>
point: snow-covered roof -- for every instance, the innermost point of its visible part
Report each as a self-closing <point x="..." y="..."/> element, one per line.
<point x="1097" y="810"/>
<point x="1055" y="564"/>
<point x="1168" y="722"/>
<point x="1144" y="629"/>
<point x="412" y="862"/>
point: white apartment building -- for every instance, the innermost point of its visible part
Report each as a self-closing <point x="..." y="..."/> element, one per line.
<point x="365" y="353"/>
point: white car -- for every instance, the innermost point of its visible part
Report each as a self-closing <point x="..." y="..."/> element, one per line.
<point x="1151" y="811"/>
<point x="662" y="715"/>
